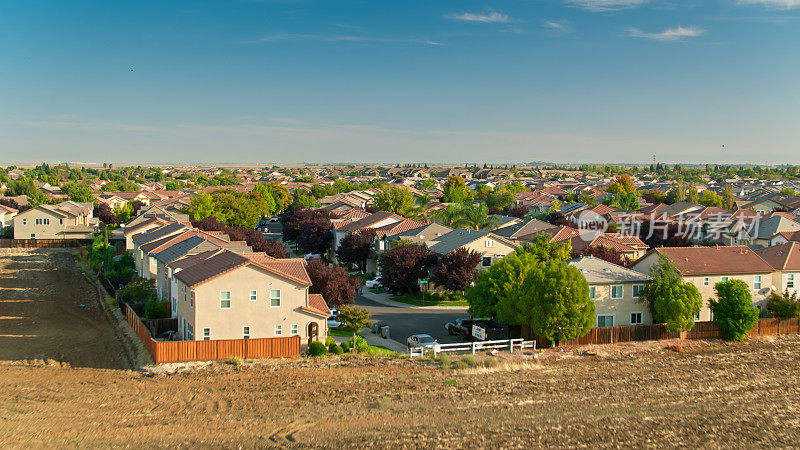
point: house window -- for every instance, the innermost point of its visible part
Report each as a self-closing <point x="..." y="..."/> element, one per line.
<point x="33" y="236"/>
<point x="724" y="279"/>
<point x="706" y="281"/>
<point x="293" y="329"/>
<point x="636" y="318"/>
<point x="253" y="296"/>
<point x="61" y="221"/>
<point x="616" y="291"/>
<point x="486" y="261"/>
<point x="206" y="334"/>
<point x="24" y="221"/>
<point x="592" y="292"/>
<point x="757" y="282"/>
<point x="638" y="290"/>
<point x="275" y="297"/>
<point x="605" y="320"/>
<point x="225" y="299"/>
<point x="278" y="330"/>
<point x="489" y="243"/>
<point x="246" y="332"/>
<point x="790" y="281"/>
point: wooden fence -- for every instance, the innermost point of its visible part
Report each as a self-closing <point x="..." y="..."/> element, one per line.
<point x="701" y="330"/>
<point x="182" y="351"/>
<point x="39" y="243"/>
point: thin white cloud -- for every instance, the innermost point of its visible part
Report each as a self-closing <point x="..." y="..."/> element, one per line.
<point x="672" y="34"/>
<point x="488" y="17"/>
<point x="607" y="5"/>
<point x="776" y="4"/>
<point x="557" y="25"/>
<point x="283" y="37"/>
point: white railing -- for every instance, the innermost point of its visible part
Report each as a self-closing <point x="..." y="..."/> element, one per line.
<point x="505" y="344"/>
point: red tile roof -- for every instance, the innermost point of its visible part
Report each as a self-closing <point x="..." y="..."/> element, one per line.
<point x="691" y="261"/>
<point x="317" y="305"/>
<point x="782" y="257"/>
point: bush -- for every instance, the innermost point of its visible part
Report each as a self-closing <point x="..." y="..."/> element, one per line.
<point x="490" y="362"/>
<point x="734" y="312"/>
<point x="444" y="360"/>
<point x="346" y="347"/>
<point x="155" y="309"/>
<point x="337" y="350"/>
<point x="460" y="365"/>
<point x="360" y="344"/>
<point x="317" y="349"/>
<point x="469" y="360"/>
<point x="784" y="306"/>
<point x="329" y="341"/>
<point x="235" y="361"/>
<point x="331" y="346"/>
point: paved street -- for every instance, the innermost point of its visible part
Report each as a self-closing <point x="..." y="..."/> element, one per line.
<point x="404" y="322"/>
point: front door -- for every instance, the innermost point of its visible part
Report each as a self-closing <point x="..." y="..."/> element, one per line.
<point x="313" y="331"/>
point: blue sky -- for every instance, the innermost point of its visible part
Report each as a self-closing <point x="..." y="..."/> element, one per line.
<point x="400" y="81"/>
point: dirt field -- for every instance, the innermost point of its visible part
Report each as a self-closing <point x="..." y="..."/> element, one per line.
<point x="41" y="291"/>
<point x="712" y="395"/>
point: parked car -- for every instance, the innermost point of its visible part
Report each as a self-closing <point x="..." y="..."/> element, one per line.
<point x="488" y="330"/>
<point x="459" y="327"/>
<point x="373" y="283"/>
<point x="425" y="341"/>
<point x="308" y="256"/>
<point x="333" y="322"/>
<point x="274" y="219"/>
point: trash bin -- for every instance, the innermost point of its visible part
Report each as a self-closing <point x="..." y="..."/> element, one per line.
<point x="376" y="327"/>
<point x="385" y="331"/>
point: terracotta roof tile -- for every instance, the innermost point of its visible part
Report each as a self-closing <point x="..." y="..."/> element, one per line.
<point x="317" y="305"/>
<point x="720" y="260"/>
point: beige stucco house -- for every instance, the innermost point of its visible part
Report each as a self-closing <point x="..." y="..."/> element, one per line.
<point x="67" y="220"/>
<point x="706" y="266"/>
<point x="615" y="291"/>
<point x="490" y="246"/>
<point x="225" y="295"/>
<point x="7" y="214"/>
<point x="785" y="261"/>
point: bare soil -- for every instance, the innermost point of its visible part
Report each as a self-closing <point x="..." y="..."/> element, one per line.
<point x="711" y="394"/>
<point x="41" y="317"/>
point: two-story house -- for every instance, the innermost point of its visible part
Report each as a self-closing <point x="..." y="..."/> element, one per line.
<point x="616" y="292"/>
<point x="231" y="296"/>
<point x="706" y="266"/>
<point x="66" y="220"/>
<point x="489" y="246"/>
<point x="785" y="261"/>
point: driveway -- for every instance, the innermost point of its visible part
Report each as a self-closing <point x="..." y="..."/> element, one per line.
<point x="403" y="322"/>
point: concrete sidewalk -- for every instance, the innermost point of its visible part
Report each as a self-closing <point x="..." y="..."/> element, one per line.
<point x="385" y="299"/>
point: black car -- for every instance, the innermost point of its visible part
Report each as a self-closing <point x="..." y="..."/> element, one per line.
<point x="460" y="327"/>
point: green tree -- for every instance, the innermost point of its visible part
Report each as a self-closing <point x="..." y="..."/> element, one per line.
<point x="201" y="207"/>
<point x="784" y="306"/>
<point x="553" y="300"/>
<point x="476" y="217"/>
<point x="455" y="190"/>
<point x="77" y="191"/>
<point x="671" y="301"/>
<point x="500" y="198"/>
<point x="710" y="198"/>
<point x="395" y="199"/>
<point x="727" y="197"/>
<point x="692" y="195"/>
<point x="354" y="319"/>
<point x="733" y="309"/>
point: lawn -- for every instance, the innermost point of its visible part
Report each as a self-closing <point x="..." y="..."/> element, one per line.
<point x="339" y="332"/>
<point x="416" y="300"/>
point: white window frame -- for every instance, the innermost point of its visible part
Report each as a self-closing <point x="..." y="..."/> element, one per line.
<point x="605" y="315"/>
<point x="489" y="243"/>
<point x="706" y="281"/>
<point x="253" y="295"/>
<point x="593" y="292"/>
<point x="272" y="298"/>
<point x="206" y="334"/>
<point x="278" y="330"/>
<point x="483" y="261"/>
<point x="789" y="281"/>
<point x="24" y="221"/>
<point x="724" y="279"/>
<point x="641" y="318"/>
<point x="760" y="282"/>
<point x="641" y="290"/>
<point x="622" y="288"/>
<point x="221" y="299"/>
<point x="246" y="332"/>
<point x="294" y="330"/>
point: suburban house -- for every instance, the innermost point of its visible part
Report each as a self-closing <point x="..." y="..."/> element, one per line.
<point x="225" y="295"/>
<point x="66" y="220"/>
<point x="489" y="246"/>
<point x="785" y="261"/>
<point x="706" y="266"/>
<point x="145" y="266"/>
<point x="615" y="291"/>
<point x="420" y="235"/>
<point x="7" y="214"/>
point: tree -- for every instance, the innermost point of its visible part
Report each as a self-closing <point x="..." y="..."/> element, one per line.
<point x="309" y="229"/>
<point x="553" y="300"/>
<point x="450" y="215"/>
<point x="710" y="198"/>
<point x="500" y="198"/>
<point x="667" y="234"/>
<point x="281" y="196"/>
<point x="77" y="191"/>
<point x="201" y="207"/>
<point x="727" y="197"/>
<point x="403" y="266"/>
<point x="395" y="200"/>
<point x="103" y="212"/>
<point x="476" y="217"/>
<point x="356" y="247"/>
<point x="603" y="252"/>
<point x="252" y="237"/>
<point x="510" y="272"/>
<point x="733" y="309"/>
<point x="455" y="190"/>
<point x="622" y="185"/>
<point x="457" y="269"/>
<point x="354" y="319"/>
<point x="671" y="301"/>
<point x="692" y="195"/>
<point x="784" y="306"/>
<point x="333" y="282"/>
